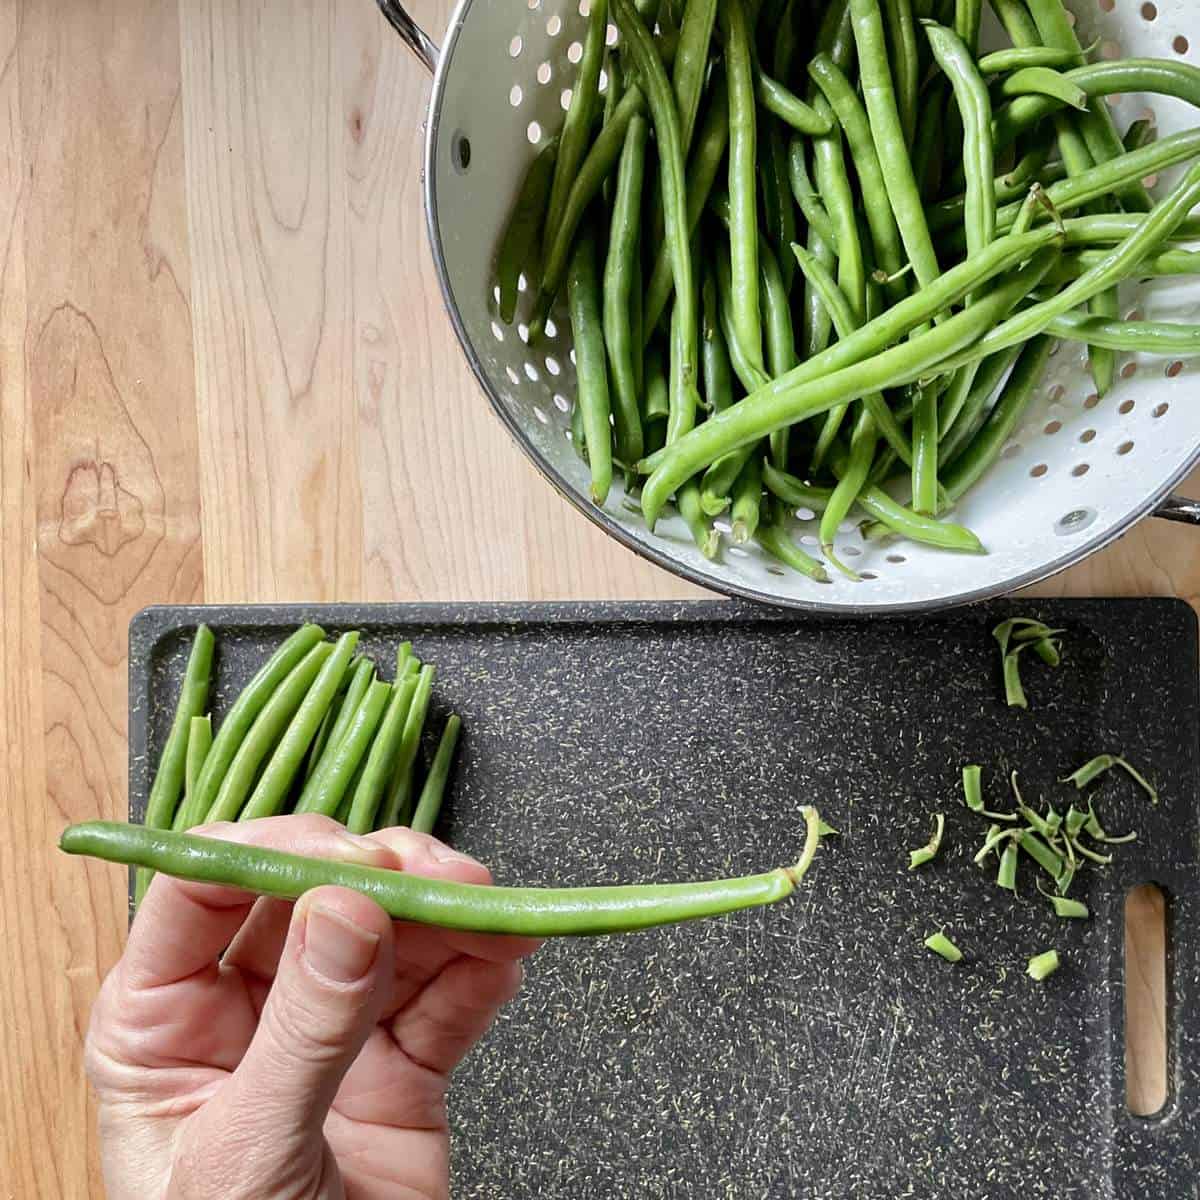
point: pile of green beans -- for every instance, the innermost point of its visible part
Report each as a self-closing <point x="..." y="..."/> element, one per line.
<point x="315" y="730"/>
<point x="836" y="246"/>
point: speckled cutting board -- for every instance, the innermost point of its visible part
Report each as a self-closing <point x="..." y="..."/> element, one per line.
<point x="812" y="1049"/>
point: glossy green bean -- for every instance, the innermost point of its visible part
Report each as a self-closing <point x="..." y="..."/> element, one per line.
<point x="715" y="370"/>
<point x="691" y="63"/>
<point x="886" y="130"/>
<point x="773" y="538"/>
<point x="361" y="673"/>
<point x="619" y="263"/>
<point x="430" y="802"/>
<point x="267" y="727"/>
<point x="1102" y="360"/>
<point x="577" y="124"/>
<point x="1017" y="58"/>
<point x="1140" y="133"/>
<point x="928" y="142"/>
<point x="706" y="159"/>
<point x="532" y="912"/>
<point x="781" y="231"/>
<point x="778" y="333"/>
<point x="591" y="372"/>
<point x="1147" y="337"/>
<point x="683" y="399"/>
<point x="784" y="403"/>
<point x="805" y="193"/>
<point x="794" y="492"/>
<point x="957" y="429"/>
<point x="398" y="808"/>
<point x="833" y="185"/>
<point x="1167" y="262"/>
<point x="234" y="728"/>
<point x="270" y="793"/>
<point x="200" y="737"/>
<point x="790" y="109"/>
<point x="1043" y="81"/>
<point x="925" y="452"/>
<point x="380" y="761"/>
<point x="967" y="17"/>
<point x="168" y="786"/>
<point x="885" y="233"/>
<point x="1107" y="228"/>
<point x="906" y="62"/>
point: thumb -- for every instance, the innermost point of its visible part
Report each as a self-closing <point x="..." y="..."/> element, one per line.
<point x="333" y="980"/>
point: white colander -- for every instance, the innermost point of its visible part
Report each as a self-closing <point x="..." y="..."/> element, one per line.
<point x="1076" y="474"/>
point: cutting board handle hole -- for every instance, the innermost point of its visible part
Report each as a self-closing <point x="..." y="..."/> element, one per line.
<point x="1146" y="1000"/>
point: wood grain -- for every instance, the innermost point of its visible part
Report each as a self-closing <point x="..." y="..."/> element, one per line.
<point x="225" y="374"/>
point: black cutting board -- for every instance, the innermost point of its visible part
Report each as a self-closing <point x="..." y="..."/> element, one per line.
<point x="812" y="1049"/>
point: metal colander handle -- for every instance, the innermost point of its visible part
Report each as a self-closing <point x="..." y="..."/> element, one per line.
<point x="415" y="38"/>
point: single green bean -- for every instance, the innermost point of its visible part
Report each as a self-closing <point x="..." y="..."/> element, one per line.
<point x="956" y="428"/>
<point x="805" y="194"/>
<point x="199" y="744"/>
<point x="784" y="401"/>
<point x="1017" y="58"/>
<point x="237" y="723"/>
<point x="361" y="673"/>
<point x="794" y="492"/>
<point x="168" y="783"/>
<point x="656" y="395"/>
<point x="777" y="329"/>
<point x="833" y="185"/>
<point x="1106" y="228"/>
<point x="577" y="124"/>
<point x="905" y="61"/>
<point x="267" y="727"/>
<point x="691" y="63"/>
<point x="520" y="248"/>
<point x="885" y="233"/>
<point x="715" y="370"/>
<point x="398" y="809"/>
<point x="324" y="791"/>
<point x="532" y="912"/>
<point x="1102" y="361"/>
<point x="863" y="441"/>
<point x="1140" y="133"/>
<point x="781" y="230"/>
<point x="747" y="501"/>
<point x="1043" y="81"/>
<point x="925" y="452"/>
<point x="271" y="791"/>
<point x="1148" y="337"/>
<point x="380" y="761"/>
<point x="929" y="142"/>
<point x="621" y="258"/>
<point x="790" y="109"/>
<point x="591" y="373"/>
<point x="775" y="541"/>
<point x="886" y="130"/>
<point x="683" y="399"/>
<point x="687" y="501"/>
<point x="430" y="804"/>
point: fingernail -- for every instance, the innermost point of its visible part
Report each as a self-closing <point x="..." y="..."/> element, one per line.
<point x="336" y="947"/>
<point x="444" y="854"/>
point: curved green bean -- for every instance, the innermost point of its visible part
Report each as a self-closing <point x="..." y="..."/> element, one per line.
<point x="805" y="194"/>
<point x="620" y="260"/>
<point x="687" y="501"/>
<point x="790" y="109"/>
<point x="577" y="124"/>
<point x="430" y="803"/>
<point x="366" y="792"/>
<point x="532" y="912"/>
<point x="1044" y="81"/>
<point x="775" y="541"/>
<point x="1016" y="58"/>
<point x="267" y="727"/>
<point x="591" y="372"/>
<point x="271" y="791"/>
<point x="168" y="785"/>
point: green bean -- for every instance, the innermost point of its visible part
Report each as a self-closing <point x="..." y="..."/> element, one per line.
<point x="777" y="329"/>
<point x="691" y="63"/>
<point x="271" y="791"/>
<point x="971" y="93"/>
<point x="743" y="220"/>
<point x="775" y="541"/>
<point x="942" y="946"/>
<point x="578" y="438"/>
<point x="805" y="194"/>
<point x="687" y="501"/>
<point x="656" y="402"/>
<point x="1042" y="81"/>
<point x="845" y="324"/>
<point x="361" y="678"/>
<point x="198" y="745"/>
<point x="532" y="912"/>
<point x="816" y="326"/>
<point x="790" y="109"/>
<point x="1049" y="860"/>
<point x="780" y="404"/>
<point x="398" y="809"/>
<point x="324" y="791"/>
<point x="925" y="452"/>
<point x="591" y="374"/>
<point x="377" y="766"/>
<point x="1140" y="133"/>
<point x="1102" y="361"/>
<point x="782" y="228"/>
<point x="346" y="804"/>
<point x="246" y="707"/>
<point x="1069" y="909"/>
<point x="928" y="148"/>
<point x="267" y="727"/>
<point x="600" y="160"/>
<point x="577" y="124"/>
<point x="622" y="255"/>
<point x="956" y="428"/>
<point x="928" y="852"/>
<point x="833" y="185"/>
<point x="794" y="492"/>
<point x="1019" y="57"/>
<point x="1107" y="228"/>
<point x="1011" y="186"/>
<point x="327" y="722"/>
<point x="784" y="48"/>
<point x="885" y="234"/>
<point x="1148" y="337"/>
<point x="430" y="803"/>
<point x="967" y="17"/>
<point x="906" y="62"/>
<point x="863" y="441"/>
<point x="880" y="97"/>
<point x="521" y="245"/>
<point x="747" y="501"/>
<point x="670" y="153"/>
<point x="714" y="356"/>
<point x="985" y="447"/>
<point x="683" y="399"/>
<point x="168" y="783"/>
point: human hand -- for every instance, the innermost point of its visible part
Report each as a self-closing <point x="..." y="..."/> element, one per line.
<point x="312" y="1060"/>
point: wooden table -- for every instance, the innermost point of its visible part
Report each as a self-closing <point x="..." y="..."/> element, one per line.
<point x="225" y="375"/>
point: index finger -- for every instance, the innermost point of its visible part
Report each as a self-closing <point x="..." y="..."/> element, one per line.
<point x="182" y="926"/>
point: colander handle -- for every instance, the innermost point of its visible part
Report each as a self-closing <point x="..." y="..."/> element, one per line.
<point x="415" y="38"/>
<point x="1179" y="508"/>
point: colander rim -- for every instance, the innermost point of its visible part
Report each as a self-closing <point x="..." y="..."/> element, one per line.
<point x="661" y="558"/>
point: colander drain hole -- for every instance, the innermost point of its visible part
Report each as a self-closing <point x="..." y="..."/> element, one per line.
<point x="1075" y="521"/>
<point x="460" y="152"/>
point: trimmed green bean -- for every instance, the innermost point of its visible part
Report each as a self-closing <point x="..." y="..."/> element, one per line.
<point x="430" y="803"/>
<point x="199" y="744"/>
<point x="577" y="124"/>
<point x="398" y="809"/>
<point x="324" y="791"/>
<point x="271" y="791"/>
<point x="267" y="727"/>
<point x="620" y="260"/>
<point x="361" y="673"/>
<point x="168" y="784"/>
<point x="380" y="761"/>
<point x="747" y="501"/>
<point x="532" y="912"/>
<point x="591" y="372"/>
<point x="237" y="723"/>
<point x="925" y="452"/>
